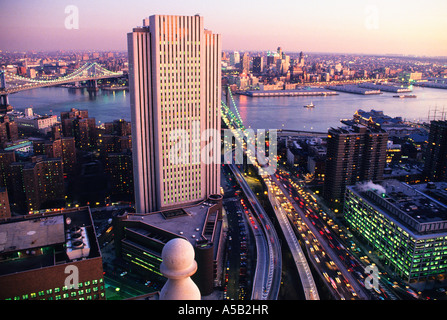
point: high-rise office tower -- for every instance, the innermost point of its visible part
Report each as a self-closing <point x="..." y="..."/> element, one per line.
<point x="436" y="154"/>
<point x="175" y="84"/>
<point x="354" y="154"/>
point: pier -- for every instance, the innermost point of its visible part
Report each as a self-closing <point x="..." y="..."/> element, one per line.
<point x="354" y="89"/>
<point x="385" y="87"/>
<point x="290" y="93"/>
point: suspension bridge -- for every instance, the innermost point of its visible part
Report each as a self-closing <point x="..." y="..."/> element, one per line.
<point x="90" y="72"/>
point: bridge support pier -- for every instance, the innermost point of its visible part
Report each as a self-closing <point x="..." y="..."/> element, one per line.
<point x="92" y="87"/>
<point x="4" y="104"/>
<point x="4" y="101"/>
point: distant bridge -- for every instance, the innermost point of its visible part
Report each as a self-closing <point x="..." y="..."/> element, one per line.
<point x="90" y="72"/>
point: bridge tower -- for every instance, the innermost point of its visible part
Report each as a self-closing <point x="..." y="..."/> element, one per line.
<point x="227" y="95"/>
<point x="92" y="85"/>
<point x="4" y="101"/>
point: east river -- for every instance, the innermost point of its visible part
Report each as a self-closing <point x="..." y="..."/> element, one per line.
<point x="257" y="112"/>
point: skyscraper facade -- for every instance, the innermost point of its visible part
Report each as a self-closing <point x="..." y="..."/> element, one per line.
<point x="436" y="155"/>
<point x="354" y="154"/>
<point x="175" y="86"/>
<point x="37" y="184"/>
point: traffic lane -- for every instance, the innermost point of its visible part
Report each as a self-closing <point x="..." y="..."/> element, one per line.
<point x="270" y="238"/>
<point x="322" y="242"/>
<point x="325" y="264"/>
<point x="232" y="275"/>
<point x="356" y="269"/>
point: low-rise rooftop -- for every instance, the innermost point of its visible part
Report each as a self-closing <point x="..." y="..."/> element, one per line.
<point x="416" y="210"/>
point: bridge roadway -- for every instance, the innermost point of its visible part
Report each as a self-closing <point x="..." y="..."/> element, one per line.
<point x="55" y="83"/>
<point x="267" y="279"/>
<point x="307" y="280"/>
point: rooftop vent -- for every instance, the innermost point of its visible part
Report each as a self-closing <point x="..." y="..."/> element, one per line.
<point x="77" y="243"/>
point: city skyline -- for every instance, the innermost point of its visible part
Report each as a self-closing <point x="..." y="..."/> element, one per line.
<point x="112" y="184"/>
<point x="376" y="27"/>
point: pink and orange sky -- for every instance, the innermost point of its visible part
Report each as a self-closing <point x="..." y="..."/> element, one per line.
<point x="344" y="26"/>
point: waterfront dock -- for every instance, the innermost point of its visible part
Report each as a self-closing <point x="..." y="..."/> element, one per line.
<point x="304" y="92"/>
<point x="385" y="87"/>
<point x="349" y="88"/>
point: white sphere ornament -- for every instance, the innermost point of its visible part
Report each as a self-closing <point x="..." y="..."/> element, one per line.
<point x="178" y="265"/>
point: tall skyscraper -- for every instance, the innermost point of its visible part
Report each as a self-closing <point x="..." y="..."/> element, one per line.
<point x="175" y="84"/>
<point x="436" y="155"/>
<point x="354" y="154"/>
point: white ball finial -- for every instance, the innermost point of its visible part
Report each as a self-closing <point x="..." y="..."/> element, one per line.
<point x="178" y="265"/>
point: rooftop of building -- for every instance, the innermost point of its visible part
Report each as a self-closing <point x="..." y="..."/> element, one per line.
<point x="31" y="233"/>
<point x="415" y="209"/>
<point x="356" y="128"/>
<point x="187" y="222"/>
<point x="378" y="117"/>
<point x="416" y="204"/>
<point x="37" y="241"/>
<point x="437" y="190"/>
<point x="399" y="170"/>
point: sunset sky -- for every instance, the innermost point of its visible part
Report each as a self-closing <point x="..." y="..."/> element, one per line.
<point x="342" y="26"/>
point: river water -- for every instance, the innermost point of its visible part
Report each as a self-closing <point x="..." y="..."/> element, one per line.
<point x="256" y="112"/>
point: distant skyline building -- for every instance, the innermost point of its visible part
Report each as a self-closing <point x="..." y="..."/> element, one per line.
<point x="245" y="63"/>
<point x="235" y="58"/>
<point x="258" y="64"/>
<point x="354" y="154"/>
<point x="175" y="84"/>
